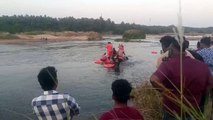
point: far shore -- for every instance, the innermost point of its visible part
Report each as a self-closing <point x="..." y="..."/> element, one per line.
<point x="25" y="38"/>
<point x="35" y="37"/>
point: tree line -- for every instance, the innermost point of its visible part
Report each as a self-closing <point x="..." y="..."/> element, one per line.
<point x="20" y="23"/>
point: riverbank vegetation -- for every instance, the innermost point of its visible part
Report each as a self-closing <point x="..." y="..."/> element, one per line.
<point x="149" y="102"/>
<point x="17" y="24"/>
<point x="8" y="36"/>
<point x="133" y="34"/>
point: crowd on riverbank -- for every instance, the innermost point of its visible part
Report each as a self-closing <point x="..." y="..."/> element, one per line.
<point x="184" y="89"/>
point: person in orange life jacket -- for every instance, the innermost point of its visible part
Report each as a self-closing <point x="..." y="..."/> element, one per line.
<point x="104" y="57"/>
<point x="121" y="53"/>
<point x="121" y="47"/>
<point x="109" y="48"/>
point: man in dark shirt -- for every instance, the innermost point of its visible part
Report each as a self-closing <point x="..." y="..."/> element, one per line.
<point x="121" y="111"/>
<point x="167" y="80"/>
<point x="194" y="54"/>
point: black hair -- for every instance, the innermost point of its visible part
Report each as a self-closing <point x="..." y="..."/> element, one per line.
<point x="166" y="41"/>
<point x="206" y="41"/>
<point x="109" y="42"/>
<point x="121" y="89"/>
<point x="198" y="44"/>
<point x="176" y="45"/>
<point x="47" y="78"/>
<point x="186" y="43"/>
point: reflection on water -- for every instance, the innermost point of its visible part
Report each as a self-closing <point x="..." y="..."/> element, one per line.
<point x="89" y="83"/>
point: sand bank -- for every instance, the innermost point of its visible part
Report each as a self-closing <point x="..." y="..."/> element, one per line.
<point x="23" y="38"/>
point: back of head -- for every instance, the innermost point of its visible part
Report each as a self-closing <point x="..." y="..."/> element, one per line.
<point x="186" y="43"/>
<point x="198" y="45"/>
<point x="121" y="89"/>
<point x="176" y="45"/>
<point x="166" y="42"/>
<point x="47" y="78"/>
<point x="206" y="41"/>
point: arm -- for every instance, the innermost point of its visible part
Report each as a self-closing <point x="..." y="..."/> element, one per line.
<point x="160" y="77"/>
<point x="74" y="107"/>
<point x="156" y="83"/>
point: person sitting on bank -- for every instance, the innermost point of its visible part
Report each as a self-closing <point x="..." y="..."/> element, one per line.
<point x="53" y="105"/>
<point x="121" y="89"/>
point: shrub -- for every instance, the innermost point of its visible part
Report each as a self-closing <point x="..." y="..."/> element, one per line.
<point x="134" y="34"/>
<point x="8" y="36"/>
<point x="149" y="101"/>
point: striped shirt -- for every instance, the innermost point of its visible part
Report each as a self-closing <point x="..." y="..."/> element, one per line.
<point x="54" y="106"/>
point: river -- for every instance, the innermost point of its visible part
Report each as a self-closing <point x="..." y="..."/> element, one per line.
<point x="89" y="83"/>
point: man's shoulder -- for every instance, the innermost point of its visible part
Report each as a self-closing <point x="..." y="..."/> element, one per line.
<point x="50" y="97"/>
<point x="107" y="115"/>
<point x="204" y="50"/>
<point x="197" y="65"/>
<point x="36" y="100"/>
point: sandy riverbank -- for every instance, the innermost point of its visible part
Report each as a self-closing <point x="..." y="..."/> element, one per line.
<point x="24" y="38"/>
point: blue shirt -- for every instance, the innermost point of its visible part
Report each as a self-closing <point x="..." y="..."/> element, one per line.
<point x="54" y="106"/>
<point x="207" y="54"/>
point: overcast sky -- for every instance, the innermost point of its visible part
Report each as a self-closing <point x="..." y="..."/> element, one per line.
<point x="196" y="13"/>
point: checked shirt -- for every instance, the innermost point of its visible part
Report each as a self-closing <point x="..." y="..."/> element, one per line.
<point x="54" y="106"/>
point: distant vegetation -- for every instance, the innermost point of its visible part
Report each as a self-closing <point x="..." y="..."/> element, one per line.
<point x="8" y="36"/>
<point x="133" y="34"/>
<point x="17" y="24"/>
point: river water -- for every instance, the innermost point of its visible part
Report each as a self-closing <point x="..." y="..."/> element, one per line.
<point x="89" y="83"/>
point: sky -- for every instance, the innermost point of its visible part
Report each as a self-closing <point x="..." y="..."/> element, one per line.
<point x="195" y="13"/>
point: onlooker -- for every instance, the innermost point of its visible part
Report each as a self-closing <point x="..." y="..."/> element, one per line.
<point x="52" y="105"/>
<point x="206" y="52"/>
<point x="167" y="80"/>
<point x="121" y="94"/>
<point x="198" y="46"/>
<point x="193" y="53"/>
<point x="165" y="44"/>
